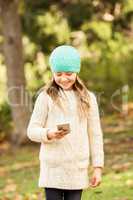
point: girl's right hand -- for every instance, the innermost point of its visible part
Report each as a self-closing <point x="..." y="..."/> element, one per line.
<point x="56" y="134"/>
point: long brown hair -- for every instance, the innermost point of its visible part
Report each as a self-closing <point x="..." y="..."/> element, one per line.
<point x="81" y="91"/>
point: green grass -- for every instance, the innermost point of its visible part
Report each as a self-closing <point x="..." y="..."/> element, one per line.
<point x="114" y="186"/>
<point x="19" y="172"/>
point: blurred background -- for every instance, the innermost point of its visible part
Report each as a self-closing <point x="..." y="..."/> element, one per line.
<point x="102" y="31"/>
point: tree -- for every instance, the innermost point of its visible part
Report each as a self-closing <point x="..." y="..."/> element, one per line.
<point x="16" y="84"/>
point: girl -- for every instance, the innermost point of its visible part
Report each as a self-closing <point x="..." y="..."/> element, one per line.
<point x="65" y="154"/>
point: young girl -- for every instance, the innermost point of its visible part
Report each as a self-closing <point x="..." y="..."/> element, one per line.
<point x="65" y="154"/>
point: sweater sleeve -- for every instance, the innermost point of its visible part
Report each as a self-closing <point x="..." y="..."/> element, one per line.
<point x="36" y="130"/>
<point x="95" y="133"/>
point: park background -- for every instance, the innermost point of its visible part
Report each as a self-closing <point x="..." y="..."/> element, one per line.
<point x="102" y="31"/>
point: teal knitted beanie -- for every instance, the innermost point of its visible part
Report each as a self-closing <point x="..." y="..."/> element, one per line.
<point x="64" y="58"/>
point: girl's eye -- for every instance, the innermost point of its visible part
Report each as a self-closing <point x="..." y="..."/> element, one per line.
<point x="69" y="74"/>
<point x="58" y="74"/>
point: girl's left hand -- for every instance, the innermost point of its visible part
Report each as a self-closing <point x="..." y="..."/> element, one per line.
<point x="96" y="177"/>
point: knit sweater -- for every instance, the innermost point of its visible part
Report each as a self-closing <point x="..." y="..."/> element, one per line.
<point x="64" y="162"/>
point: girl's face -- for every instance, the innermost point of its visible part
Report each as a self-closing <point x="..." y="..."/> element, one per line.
<point x="65" y="79"/>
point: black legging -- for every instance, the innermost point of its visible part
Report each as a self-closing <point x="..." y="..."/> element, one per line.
<point x="62" y="194"/>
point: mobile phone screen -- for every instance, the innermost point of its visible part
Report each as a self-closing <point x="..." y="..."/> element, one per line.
<point x="64" y="126"/>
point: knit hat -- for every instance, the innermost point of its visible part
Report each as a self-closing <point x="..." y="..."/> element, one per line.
<point x="64" y="58"/>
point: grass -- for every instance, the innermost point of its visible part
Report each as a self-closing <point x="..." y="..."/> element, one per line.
<point x="19" y="172"/>
<point x="114" y="187"/>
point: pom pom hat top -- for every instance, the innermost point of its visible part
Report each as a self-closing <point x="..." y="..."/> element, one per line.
<point x="65" y="58"/>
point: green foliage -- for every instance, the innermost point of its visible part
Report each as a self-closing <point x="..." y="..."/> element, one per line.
<point x="101" y="33"/>
<point x="128" y="6"/>
<point x="101" y="29"/>
<point x="49" y="28"/>
<point x="52" y="23"/>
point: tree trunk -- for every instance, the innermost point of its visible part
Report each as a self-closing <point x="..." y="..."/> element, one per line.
<point x="16" y="90"/>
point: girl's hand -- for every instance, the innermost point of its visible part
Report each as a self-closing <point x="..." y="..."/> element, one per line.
<point x="96" y="177"/>
<point x="56" y="134"/>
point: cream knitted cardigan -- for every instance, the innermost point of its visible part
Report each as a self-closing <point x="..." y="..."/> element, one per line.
<point x="64" y="162"/>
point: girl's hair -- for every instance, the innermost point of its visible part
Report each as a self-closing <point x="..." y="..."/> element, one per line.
<point x="52" y="89"/>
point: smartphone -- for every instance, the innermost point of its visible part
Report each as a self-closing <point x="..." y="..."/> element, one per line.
<point x="64" y="126"/>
